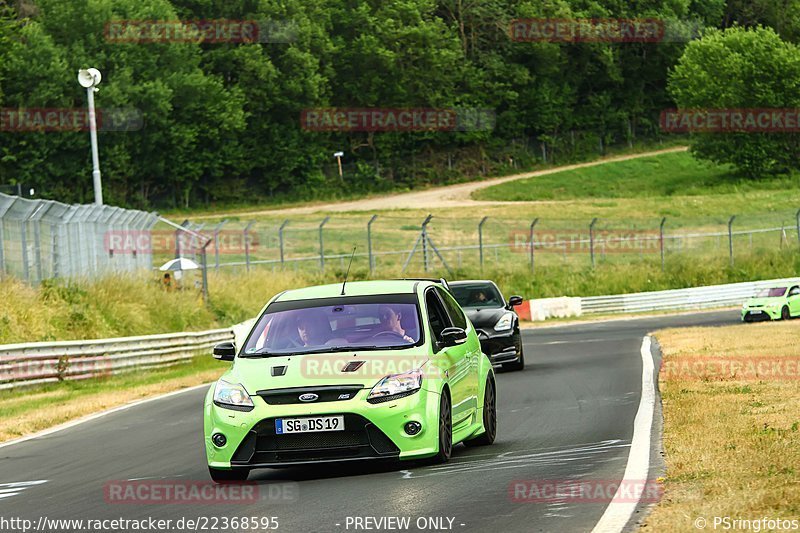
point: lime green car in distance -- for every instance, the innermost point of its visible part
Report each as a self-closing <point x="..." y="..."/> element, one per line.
<point x="363" y="371"/>
<point x="781" y="302"/>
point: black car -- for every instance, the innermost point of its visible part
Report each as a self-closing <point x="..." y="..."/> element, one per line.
<point x="494" y="319"/>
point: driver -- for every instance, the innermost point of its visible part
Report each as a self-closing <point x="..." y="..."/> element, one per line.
<point x="310" y="329"/>
<point x="478" y="297"/>
<point x="390" y="321"/>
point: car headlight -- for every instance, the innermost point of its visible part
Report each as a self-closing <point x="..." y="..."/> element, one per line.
<point x="505" y="322"/>
<point x="396" y="384"/>
<point x="232" y="396"/>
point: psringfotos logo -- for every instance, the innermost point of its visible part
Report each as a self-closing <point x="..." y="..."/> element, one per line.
<point x="397" y="119"/>
<point x="585" y="491"/>
<point x="720" y="368"/>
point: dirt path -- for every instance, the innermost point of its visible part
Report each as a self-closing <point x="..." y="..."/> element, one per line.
<point x="439" y="197"/>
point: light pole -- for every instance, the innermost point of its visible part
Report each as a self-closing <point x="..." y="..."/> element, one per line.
<point x="89" y="79"/>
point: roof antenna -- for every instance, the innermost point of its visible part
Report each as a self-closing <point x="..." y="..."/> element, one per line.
<point x="348" y="269"/>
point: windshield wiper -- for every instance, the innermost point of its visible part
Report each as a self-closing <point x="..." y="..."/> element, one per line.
<point x="260" y="355"/>
<point x="324" y="349"/>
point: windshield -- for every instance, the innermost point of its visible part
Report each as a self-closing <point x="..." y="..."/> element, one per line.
<point x="477" y="295"/>
<point x="776" y="292"/>
<point x="337" y="327"/>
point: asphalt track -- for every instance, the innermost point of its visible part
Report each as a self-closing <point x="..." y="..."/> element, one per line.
<point x="567" y="416"/>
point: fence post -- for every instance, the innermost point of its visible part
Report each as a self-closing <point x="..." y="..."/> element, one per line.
<point x="37" y="250"/>
<point x="23" y="229"/>
<point x="204" y="261"/>
<point x="280" y="238"/>
<point x="797" y="221"/>
<point x="661" y="239"/>
<point x="322" y="244"/>
<point x="2" y="252"/>
<point x="530" y="241"/>
<point x="425" y="242"/>
<point x="246" y="234"/>
<point x="591" y="239"/>
<point x="480" y="239"/>
<point x="178" y="233"/>
<point x="369" y="243"/>
<point x="216" y="244"/>
<point x="730" y="237"/>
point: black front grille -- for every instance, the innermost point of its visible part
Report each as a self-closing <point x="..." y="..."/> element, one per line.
<point x="324" y="393"/>
<point x="382" y="399"/>
<point x="360" y="439"/>
<point x="302" y="441"/>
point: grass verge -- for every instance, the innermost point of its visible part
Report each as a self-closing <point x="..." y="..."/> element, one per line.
<point x="37" y="408"/>
<point x="125" y="306"/>
<point x="732" y="439"/>
<point x="671" y="174"/>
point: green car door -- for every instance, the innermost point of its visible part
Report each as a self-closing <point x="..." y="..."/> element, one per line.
<point x="794" y="300"/>
<point x="458" y="366"/>
<point x="472" y="347"/>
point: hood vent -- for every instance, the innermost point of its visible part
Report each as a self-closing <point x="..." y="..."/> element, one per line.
<point x="278" y="371"/>
<point x="352" y="366"/>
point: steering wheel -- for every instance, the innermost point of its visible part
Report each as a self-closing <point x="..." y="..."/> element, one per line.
<point x="389" y="332"/>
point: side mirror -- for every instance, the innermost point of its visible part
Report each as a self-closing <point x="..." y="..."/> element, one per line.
<point x="453" y="337"/>
<point x="225" y="351"/>
<point x="514" y="301"/>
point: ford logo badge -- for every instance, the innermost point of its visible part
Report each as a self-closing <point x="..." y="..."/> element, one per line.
<point x="308" y="397"/>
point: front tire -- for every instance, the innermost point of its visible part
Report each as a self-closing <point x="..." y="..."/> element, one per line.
<point x="785" y="314"/>
<point x="228" y="476"/>
<point x="445" y="430"/>
<point x="489" y="417"/>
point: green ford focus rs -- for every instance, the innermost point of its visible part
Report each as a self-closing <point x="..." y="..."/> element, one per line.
<point x="780" y="302"/>
<point x="363" y="371"/>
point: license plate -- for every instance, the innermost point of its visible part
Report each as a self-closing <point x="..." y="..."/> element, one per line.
<point x="309" y="425"/>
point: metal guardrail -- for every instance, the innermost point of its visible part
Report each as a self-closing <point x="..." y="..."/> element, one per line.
<point x="48" y="362"/>
<point x="677" y="299"/>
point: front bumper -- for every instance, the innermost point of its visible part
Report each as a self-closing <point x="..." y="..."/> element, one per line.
<point x="501" y="348"/>
<point x="372" y="431"/>
<point x="757" y="314"/>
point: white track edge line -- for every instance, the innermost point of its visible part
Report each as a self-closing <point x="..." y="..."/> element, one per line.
<point x="95" y="416"/>
<point x="621" y="508"/>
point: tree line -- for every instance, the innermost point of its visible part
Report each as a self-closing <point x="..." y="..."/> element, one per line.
<point x="219" y="120"/>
